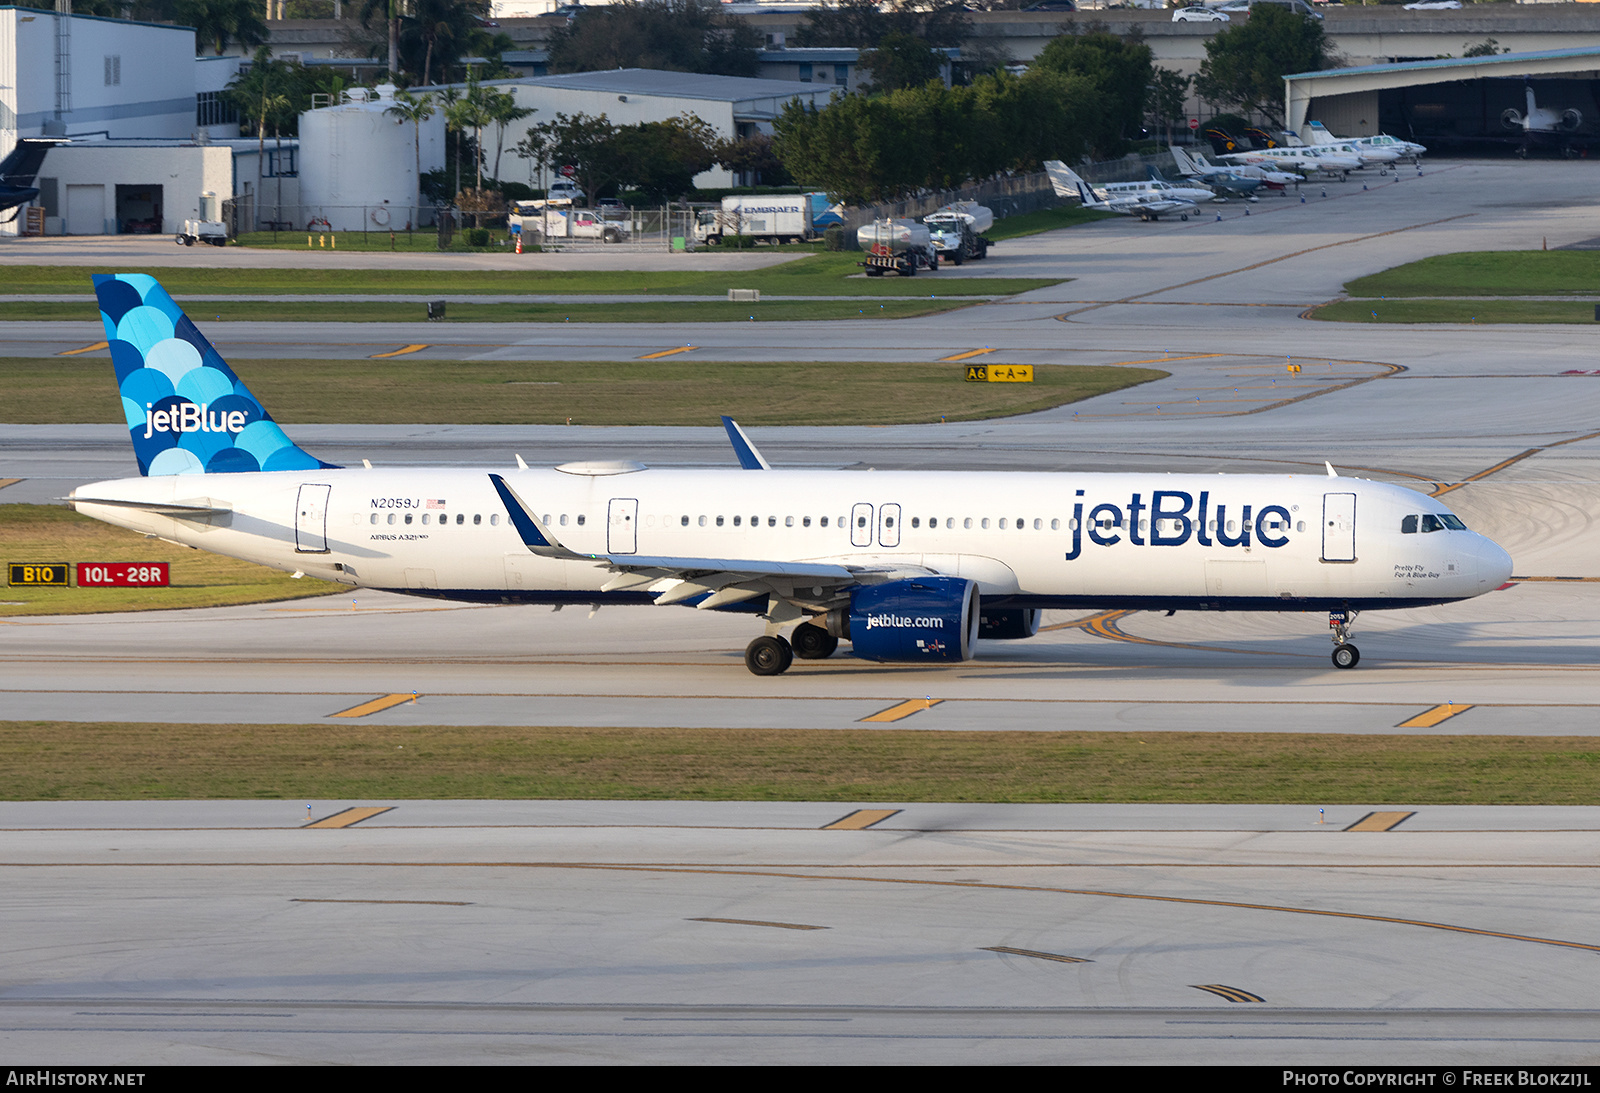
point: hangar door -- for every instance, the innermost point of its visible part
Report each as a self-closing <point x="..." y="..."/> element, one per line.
<point x="86" y="210"/>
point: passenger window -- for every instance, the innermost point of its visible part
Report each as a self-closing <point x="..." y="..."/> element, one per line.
<point x="563" y="519"/>
<point x="461" y="518"/>
<point x="1002" y="523"/>
<point x="684" y="521"/>
<point x="772" y="521"/>
<point x="1301" y="526"/>
<point x="985" y="523"/>
<point x="888" y="521"/>
<point x="719" y="521"/>
<point x="1408" y="525"/>
<point x="824" y="521"/>
<point x="916" y="521"/>
<point x="967" y="523"/>
<point x="374" y="519"/>
<point x="477" y="518"/>
<point x="788" y="521"/>
<point x="805" y="521"/>
<point x="424" y="518"/>
<point x="703" y="521"/>
<point x="408" y="518"/>
<point x="1055" y="525"/>
<point x="737" y="521"/>
<point x="391" y="518"/>
<point x="861" y="521"/>
<point x="580" y="519"/>
<point x="494" y="519"/>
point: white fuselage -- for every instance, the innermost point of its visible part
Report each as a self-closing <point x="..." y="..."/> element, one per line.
<point x="1252" y="542"/>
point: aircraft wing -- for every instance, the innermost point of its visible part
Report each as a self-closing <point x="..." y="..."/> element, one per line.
<point x="721" y="581"/>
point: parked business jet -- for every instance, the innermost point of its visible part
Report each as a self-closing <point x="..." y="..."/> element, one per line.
<point x="909" y="567"/>
<point x="1146" y="200"/>
<point x="1543" y="126"/>
<point x="17" y="172"/>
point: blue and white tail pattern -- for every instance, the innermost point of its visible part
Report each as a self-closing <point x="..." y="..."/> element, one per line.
<point x="187" y="412"/>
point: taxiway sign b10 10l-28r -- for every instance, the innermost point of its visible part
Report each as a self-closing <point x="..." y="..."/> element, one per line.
<point x="909" y="567"/>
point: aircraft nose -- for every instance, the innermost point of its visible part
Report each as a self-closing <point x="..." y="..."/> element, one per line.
<point x="1494" y="564"/>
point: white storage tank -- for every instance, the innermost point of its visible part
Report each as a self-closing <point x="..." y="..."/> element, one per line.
<point x="358" y="165"/>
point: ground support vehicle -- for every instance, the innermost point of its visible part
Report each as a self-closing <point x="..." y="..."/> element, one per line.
<point x="775" y="218"/>
<point x="214" y="232"/>
<point x="957" y="231"/>
<point x="896" y="246"/>
<point x="541" y="220"/>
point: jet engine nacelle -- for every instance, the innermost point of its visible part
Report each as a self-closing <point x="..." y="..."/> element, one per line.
<point x="1571" y="120"/>
<point x="919" y="619"/>
<point x="1511" y="119"/>
<point x="1009" y="623"/>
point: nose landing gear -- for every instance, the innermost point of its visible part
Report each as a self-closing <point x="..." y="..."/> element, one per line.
<point x="1345" y="655"/>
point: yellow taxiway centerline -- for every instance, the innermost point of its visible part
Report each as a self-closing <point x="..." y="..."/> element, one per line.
<point x="402" y="351"/>
<point x="351" y="816"/>
<point x="1380" y="821"/>
<point x="381" y="703"/>
<point x="969" y="353"/>
<point x="860" y="819"/>
<point x="902" y="710"/>
<point x="666" y="353"/>
<point x="85" y="349"/>
<point x="1427" y="719"/>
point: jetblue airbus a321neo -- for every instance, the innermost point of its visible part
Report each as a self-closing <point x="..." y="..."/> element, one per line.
<point x="908" y="567"/>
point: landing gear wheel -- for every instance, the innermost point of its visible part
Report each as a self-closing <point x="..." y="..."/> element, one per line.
<point x="812" y="642"/>
<point x="1346" y="656"/>
<point x="768" y="656"/>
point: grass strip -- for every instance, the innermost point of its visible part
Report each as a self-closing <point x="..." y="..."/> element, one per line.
<point x="1488" y="273"/>
<point x="1456" y="311"/>
<point x="64" y="760"/>
<point x="1045" y="220"/>
<point x="48" y="533"/>
<point x="380" y="311"/>
<point x="674" y="391"/>
<point x="811" y="275"/>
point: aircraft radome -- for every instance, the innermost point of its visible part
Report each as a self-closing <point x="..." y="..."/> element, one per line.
<point x="909" y="567"/>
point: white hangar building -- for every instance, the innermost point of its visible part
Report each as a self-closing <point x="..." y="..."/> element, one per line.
<point x="141" y="110"/>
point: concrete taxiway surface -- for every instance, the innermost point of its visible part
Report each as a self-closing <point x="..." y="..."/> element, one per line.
<point x="460" y="932"/>
<point x="579" y="932"/>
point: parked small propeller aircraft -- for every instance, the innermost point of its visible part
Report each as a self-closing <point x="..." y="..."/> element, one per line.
<point x="1146" y="200"/>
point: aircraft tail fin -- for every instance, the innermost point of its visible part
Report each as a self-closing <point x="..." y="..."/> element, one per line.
<point x="187" y="412"/>
<point x="1319" y="133"/>
<point x="1068" y="183"/>
<point x="20" y="167"/>
<point x="1186" y="163"/>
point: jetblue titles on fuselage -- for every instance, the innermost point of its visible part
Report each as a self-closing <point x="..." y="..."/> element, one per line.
<point x="1175" y="516"/>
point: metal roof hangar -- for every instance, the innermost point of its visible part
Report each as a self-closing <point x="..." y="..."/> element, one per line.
<point x="1449" y="101"/>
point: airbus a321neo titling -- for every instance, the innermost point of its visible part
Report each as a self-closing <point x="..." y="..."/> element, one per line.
<point x="908" y="567"/>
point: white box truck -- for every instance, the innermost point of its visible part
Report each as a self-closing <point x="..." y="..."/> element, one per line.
<point x="775" y="218"/>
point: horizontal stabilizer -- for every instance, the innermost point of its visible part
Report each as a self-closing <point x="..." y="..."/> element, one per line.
<point x="197" y="507"/>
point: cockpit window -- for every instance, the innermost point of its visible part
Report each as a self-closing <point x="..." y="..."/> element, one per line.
<point x="1453" y="523"/>
<point x="1408" y="525"/>
<point x="1430" y="522"/>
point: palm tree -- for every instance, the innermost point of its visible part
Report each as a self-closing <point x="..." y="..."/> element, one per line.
<point x="503" y="110"/>
<point x="416" y="109"/>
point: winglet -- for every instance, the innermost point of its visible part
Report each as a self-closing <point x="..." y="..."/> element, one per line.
<point x="535" y="536"/>
<point x="1331" y="472"/>
<point x="749" y="457"/>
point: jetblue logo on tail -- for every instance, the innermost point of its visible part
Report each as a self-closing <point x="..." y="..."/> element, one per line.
<point x="187" y="412"/>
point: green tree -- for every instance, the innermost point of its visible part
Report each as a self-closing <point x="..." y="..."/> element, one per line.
<point x="471" y="110"/>
<point x="863" y="24"/>
<point x="503" y="111"/>
<point x="1246" y="63"/>
<point x="217" y="23"/>
<point x="589" y="146"/>
<point x="1119" y="71"/>
<point x="429" y="37"/>
<point x="677" y="35"/>
<point x="1168" y="94"/>
<point x="754" y="156"/>
<point x="901" y="60"/>
<point x="661" y="158"/>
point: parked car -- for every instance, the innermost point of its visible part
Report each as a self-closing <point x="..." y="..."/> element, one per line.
<point x="1198" y="14"/>
<point x="1434" y="5"/>
<point x="1052" y="5"/>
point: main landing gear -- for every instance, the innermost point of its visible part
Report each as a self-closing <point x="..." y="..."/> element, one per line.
<point x="771" y="655"/>
<point x="1345" y="655"/>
